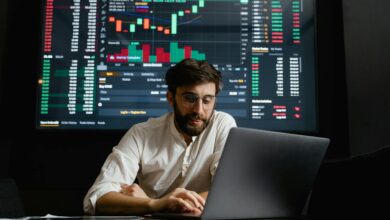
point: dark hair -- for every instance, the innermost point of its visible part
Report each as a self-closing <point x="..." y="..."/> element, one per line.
<point x="192" y="72"/>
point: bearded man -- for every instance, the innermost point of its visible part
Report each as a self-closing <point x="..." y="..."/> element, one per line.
<point x="173" y="157"/>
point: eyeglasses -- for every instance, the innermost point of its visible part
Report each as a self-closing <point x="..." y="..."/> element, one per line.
<point x="189" y="100"/>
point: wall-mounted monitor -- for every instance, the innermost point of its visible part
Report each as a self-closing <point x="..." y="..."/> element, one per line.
<point x="103" y="62"/>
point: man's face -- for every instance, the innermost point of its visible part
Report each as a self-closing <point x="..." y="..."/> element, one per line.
<point x="193" y="106"/>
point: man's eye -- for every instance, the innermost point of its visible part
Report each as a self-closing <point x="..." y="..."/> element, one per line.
<point x="206" y="101"/>
<point x="190" y="98"/>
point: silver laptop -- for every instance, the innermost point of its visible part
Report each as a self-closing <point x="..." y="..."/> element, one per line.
<point x="262" y="174"/>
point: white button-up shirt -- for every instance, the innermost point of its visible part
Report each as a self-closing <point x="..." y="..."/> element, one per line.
<point x="157" y="155"/>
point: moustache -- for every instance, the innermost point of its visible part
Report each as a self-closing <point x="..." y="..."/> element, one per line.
<point x="195" y="117"/>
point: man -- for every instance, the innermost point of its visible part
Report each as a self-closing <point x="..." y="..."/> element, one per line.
<point x="173" y="157"/>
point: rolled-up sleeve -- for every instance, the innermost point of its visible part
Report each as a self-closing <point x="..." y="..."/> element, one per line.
<point x="120" y="167"/>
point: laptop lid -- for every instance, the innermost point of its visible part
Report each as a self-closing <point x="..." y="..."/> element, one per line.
<point x="264" y="174"/>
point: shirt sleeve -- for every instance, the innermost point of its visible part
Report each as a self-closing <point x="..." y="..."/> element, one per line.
<point x="120" y="167"/>
<point x="224" y="123"/>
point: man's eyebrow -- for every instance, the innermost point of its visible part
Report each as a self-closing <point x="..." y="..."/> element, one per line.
<point x="191" y="93"/>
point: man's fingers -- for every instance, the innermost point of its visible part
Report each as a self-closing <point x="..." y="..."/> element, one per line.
<point x="191" y="196"/>
<point x="133" y="190"/>
<point x="199" y="198"/>
<point x="194" y="199"/>
<point x="188" y="195"/>
<point x="184" y="205"/>
<point x="182" y="200"/>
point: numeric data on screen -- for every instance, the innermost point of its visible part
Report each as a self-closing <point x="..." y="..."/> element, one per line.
<point x="103" y="62"/>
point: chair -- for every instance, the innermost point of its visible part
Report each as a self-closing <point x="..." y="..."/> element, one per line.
<point x="10" y="202"/>
<point x="353" y="187"/>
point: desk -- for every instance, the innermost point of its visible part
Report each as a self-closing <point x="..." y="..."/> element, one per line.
<point x="87" y="218"/>
<point x="53" y="217"/>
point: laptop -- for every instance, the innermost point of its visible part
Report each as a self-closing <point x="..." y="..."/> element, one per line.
<point x="262" y="174"/>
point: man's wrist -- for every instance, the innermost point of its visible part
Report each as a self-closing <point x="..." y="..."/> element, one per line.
<point x="154" y="205"/>
<point x="204" y="195"/>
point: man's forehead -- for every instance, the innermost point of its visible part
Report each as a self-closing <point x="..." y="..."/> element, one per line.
<point x="200" y="89"/>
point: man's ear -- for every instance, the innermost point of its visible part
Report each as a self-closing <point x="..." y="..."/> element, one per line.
<point x="170" y="98"/>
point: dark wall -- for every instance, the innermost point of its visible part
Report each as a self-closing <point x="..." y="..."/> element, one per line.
<point x="54" y="173"/>
<point x="4" y="146"/>
<point x="332" y="97"/>
<point x="367" y="46"/>
<point x="3" y="16"/>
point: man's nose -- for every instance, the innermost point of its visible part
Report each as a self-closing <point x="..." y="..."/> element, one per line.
<point x="198" y="107"/>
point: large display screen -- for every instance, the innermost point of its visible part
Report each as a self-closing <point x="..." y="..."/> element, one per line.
<point x="103" y="62"/>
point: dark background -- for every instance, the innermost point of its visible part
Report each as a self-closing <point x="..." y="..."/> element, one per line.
<point x="54" y="170"/>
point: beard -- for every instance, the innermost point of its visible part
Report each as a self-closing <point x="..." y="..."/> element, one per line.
<point x="183" y="124"/>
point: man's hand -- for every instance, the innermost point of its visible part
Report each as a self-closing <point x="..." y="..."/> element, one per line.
<point x="181" y="200"/>
<point x="132" y="200"/>
<point x="178" y="201"/>
<point x="133" y="190"/>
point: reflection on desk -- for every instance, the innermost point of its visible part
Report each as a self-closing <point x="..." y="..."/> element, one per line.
<point x="55" y="217"/>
